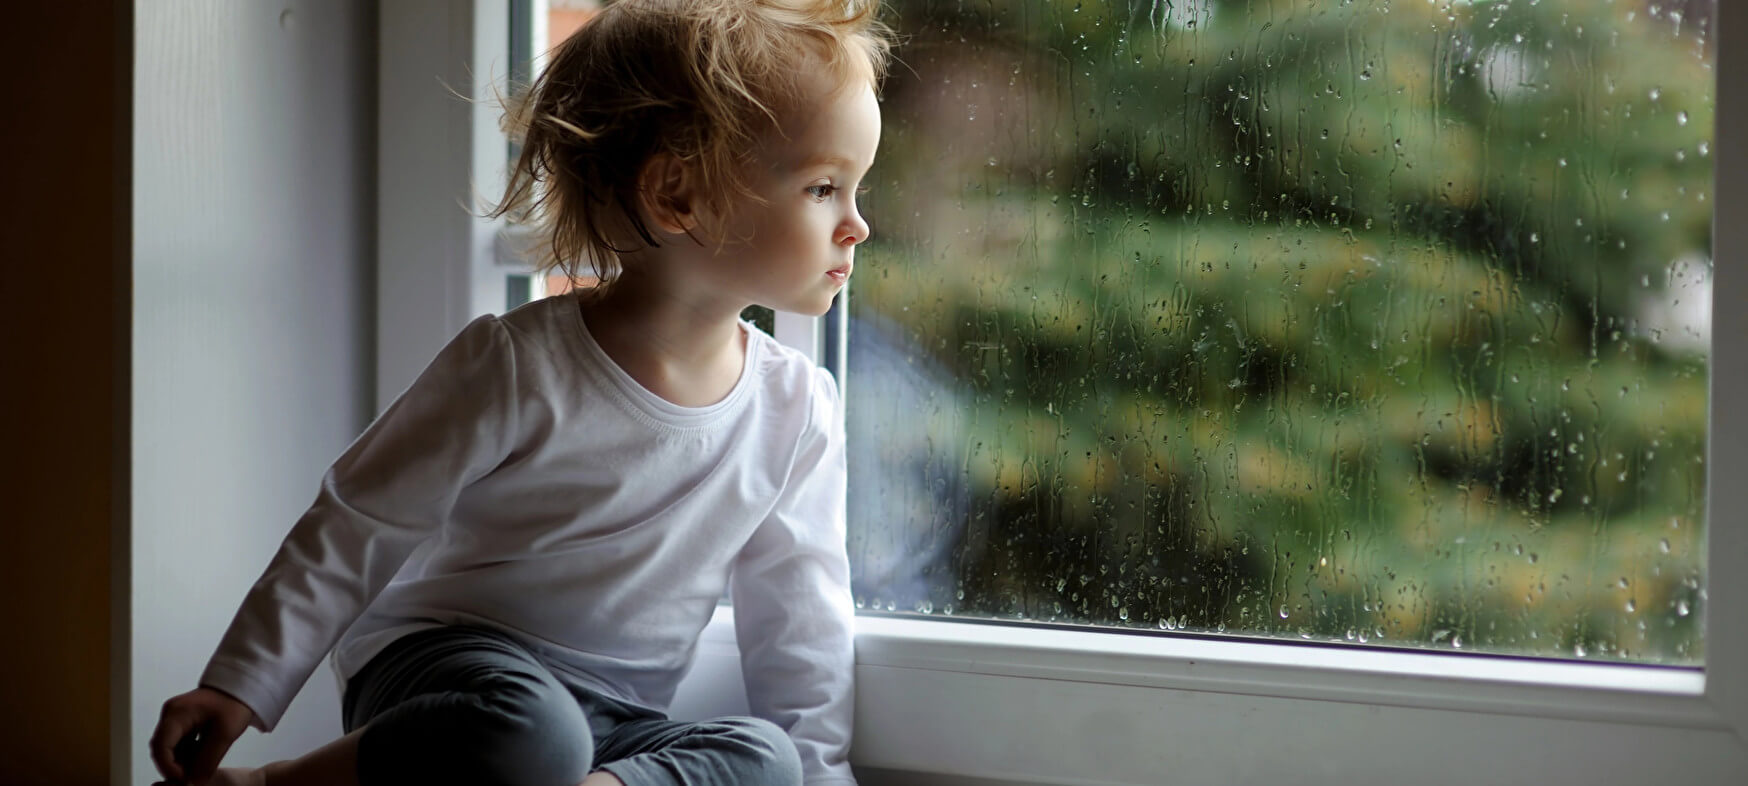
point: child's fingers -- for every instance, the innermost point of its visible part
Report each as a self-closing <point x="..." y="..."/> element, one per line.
<point x="172" y="727"/>
<point x="203" y="760"/>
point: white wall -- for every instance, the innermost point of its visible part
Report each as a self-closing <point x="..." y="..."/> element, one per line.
<point x="253" y="321"/>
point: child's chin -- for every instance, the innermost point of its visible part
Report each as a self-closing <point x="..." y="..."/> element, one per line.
<point x="808" y="309"/>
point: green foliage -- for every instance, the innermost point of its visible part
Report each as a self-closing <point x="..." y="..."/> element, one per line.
<point x="1312" y="319"/>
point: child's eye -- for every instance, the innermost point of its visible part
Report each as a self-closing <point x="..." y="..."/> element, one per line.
<point x="822" y="190"/>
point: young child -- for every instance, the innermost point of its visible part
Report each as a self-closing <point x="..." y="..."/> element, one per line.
<point x="512" y="565"/>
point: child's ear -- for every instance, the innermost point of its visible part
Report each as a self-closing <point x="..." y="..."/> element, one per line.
<point x="667" y="194"/>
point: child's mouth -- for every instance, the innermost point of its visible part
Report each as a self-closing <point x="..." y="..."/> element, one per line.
<point x="840" y="274"/>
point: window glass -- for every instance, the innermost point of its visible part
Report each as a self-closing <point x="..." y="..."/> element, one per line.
<point x="537" y="27"/>
<point x="1371" y="322"/>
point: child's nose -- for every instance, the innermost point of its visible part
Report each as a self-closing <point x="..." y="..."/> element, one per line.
<point x="854" y="230"/>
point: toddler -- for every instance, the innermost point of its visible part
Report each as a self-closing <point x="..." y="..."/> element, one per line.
<point x="511" y="567"/>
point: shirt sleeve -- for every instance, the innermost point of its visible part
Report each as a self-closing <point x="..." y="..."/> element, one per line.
<point x="390" y="491"/>
<point x="793" y="613"/>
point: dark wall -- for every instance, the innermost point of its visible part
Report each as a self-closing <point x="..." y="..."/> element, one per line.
<point x="65" y="319"/>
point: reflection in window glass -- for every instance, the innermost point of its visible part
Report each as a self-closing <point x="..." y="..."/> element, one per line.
<point x="1373" y="322"/>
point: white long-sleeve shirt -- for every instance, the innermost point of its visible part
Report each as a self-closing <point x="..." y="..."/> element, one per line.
<point x="527" y="483"/>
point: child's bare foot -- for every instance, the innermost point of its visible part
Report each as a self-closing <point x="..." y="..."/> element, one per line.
<point x="239" y="776"/>
<point x="228" y="776"/>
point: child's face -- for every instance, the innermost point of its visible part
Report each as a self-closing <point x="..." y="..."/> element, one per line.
<point x="794" y="252"/>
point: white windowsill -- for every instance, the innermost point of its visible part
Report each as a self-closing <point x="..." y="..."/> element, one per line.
<point x="1518" y="686"/>
<point x="1574" y="690"/>
<point x="975" y="703"/>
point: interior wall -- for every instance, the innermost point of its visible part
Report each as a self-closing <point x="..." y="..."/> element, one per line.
<point x="64" y="398"/>
<point x="254" y="218"/>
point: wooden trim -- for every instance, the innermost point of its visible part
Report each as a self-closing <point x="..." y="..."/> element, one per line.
<point x="67" y="324"/>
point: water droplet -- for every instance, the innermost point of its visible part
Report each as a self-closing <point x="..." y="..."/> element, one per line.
<point x="1579" y="650"/>
<point x="1283" y="611"/>
<point x="1632" y="607"/>
<point x="1682" y="609"/>
<point x="1681" y="118"/>
<point x="1663" y="545"/>
<point x="1656" y="93"/>
<point x="1123" y="613"/>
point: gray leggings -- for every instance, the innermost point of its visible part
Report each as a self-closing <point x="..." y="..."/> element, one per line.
<point x="471" y="707"/>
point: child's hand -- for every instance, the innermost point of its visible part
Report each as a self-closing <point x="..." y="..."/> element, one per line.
<point x="194" y="732"/>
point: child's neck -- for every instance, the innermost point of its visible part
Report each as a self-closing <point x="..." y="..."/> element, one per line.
<point x="688" y="353"/>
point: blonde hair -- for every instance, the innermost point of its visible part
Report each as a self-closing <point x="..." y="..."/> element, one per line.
<point x="701" y="80"/>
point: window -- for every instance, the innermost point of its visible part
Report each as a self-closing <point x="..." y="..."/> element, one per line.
<point x="1047" y="701"/>
<point x="1380" y="323"/>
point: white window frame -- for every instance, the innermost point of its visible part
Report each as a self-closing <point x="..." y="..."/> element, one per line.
<point x="942" y="701"/>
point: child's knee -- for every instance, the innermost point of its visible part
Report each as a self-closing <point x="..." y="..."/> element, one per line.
<point x="507" y="736"/>
<point x="527" y="737"/>
<point x="776" y="761"/>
